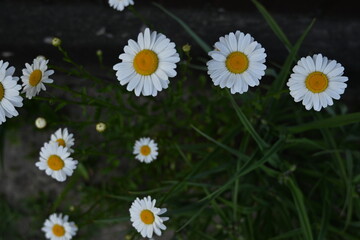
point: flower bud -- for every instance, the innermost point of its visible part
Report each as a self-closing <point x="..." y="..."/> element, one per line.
<point x="40" y="122"/>
<point x="56" y="42"/>
<point x="186" y="48"/>
<point x="100" y="127"/>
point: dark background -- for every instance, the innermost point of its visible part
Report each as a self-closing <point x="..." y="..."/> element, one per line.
<point x="27" y="26"/>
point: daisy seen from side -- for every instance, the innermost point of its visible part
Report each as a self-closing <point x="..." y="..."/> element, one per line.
<point x="9" y="92"/>
<point x="145" y="150"/>
<point x="63" y="138"/>
<point x="237" y="62"/>
<point x="120" y="4"/>
<point x="147" y="64"/>
<point x="34" y="77"/>
<point x="145" y="217"/>
<point x="55" y="160"/>
<point x="316" y="81"/>
<point x="58" y="227"/>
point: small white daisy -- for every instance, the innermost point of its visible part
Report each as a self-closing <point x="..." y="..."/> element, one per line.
<point x="316" y="81"/>
<point x="63" y="138"/>
<point x="55" y="160"/>
<point x="34" y="77"/>
<point x="58" y="227"/>
<point x="9" y="92"/>
<point x="237" y="62"/>
<point x="147" y="64"/>
<point x="145" y="217"/>
<point x="120" y="4"/>
<point x="146" y="150"/>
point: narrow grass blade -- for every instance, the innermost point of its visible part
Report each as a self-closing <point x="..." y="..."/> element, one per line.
<point x="336" y="121"/>
<point x="197" y="39"/>
<point x="248" y="126"/>
<point x="247" y="168"/>
<point x="227" y="148"/>
<point x="288" y="235"/>
<point x="325" y="217"/>
<point x="282" y="77"/>
<point x="301" y="209"/>
<point x="273" y="25"/>
<point x="69" y="186"/>
<point x="194" y="216"/>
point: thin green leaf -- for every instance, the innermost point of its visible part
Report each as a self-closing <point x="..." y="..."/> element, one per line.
<point x="331" y="122"/>
<point x="247" y="168"/>
<point x="325" y="217"/>
<point x="301" y="209"/>
<point x="273" y="25"/>
<point x="227" y="148"/>
<point x="288" y="235"/>
<point x="197" y="39"/>
<point x="248" y="126"/>
<point x="194" y="216"/>
<point x="284" y="73"/>
<point x="83" y="171"/>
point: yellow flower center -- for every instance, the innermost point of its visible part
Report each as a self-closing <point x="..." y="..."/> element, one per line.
<point x="61" y="142"/>
<point x="35" y="77"/>
<point x="145" y="150"/>
<point x="147" y="216"/>
<point x="2" y="91"/>
<point x="237" y="62"/>
<point x="316" y="82"/>
<point x="58" y="230"/>
<point x="55" y="162"/>
<point x="146" y="62"/>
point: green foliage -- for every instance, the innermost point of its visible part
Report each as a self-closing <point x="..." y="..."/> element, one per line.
<point x="250" y="166"/>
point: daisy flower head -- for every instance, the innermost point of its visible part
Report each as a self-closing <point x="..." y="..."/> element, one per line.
<point x="145" y="217"/>
<point x="63" y="138"/>
<point x="9" y="92"/>
<point x="145" y="150"/>
<point x="147" y="64"/>
<point x="34" y="77"/>
<point x="58" y="227"/>
<point x="120" y="4"/>
<point x="237" y="62"/>
<point x="316" y="81"/>
<point x="55" y="160"/>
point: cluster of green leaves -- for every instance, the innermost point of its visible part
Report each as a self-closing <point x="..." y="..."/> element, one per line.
<point x="249" y="166"/>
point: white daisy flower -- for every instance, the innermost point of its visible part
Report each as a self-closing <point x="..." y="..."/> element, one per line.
<point x="63" y="138"/>
<point x="316" y="81"/>
<point x="9" y="92"/>
<point x="58" y="227"/>
<point x="237" y="62"/>
<point x="145" y="217"/>
<point x="146" y="150"/>
<point x="147" y="64"/>
<point x="55" y="160"/>
<point x="34" y="77"/>
<point x="120" y="4"/>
